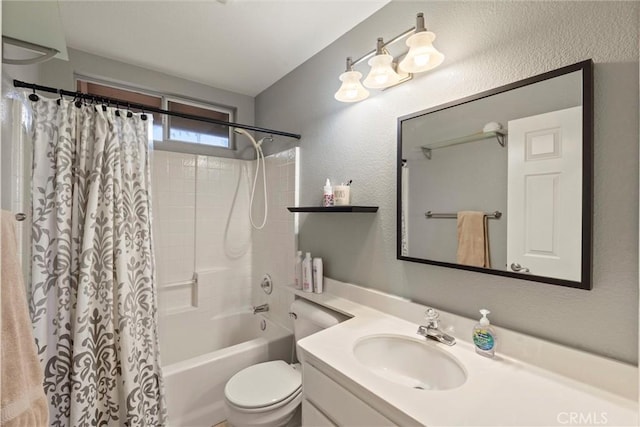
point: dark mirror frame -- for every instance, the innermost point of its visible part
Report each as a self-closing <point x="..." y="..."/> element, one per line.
<point x="586" y="67"/>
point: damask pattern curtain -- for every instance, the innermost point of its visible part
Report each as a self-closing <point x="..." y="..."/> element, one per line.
<point x="92" y="298"/>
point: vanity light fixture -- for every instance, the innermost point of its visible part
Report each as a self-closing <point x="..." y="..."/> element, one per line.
<point x="351" y="89"/>
<point x="422" y="56"/>
<point x="384" y="73"/>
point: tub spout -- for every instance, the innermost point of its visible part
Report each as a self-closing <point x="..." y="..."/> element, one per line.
<point x="261" y="308"/>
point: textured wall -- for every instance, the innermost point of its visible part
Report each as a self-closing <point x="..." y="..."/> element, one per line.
<point x="487" y="44"/>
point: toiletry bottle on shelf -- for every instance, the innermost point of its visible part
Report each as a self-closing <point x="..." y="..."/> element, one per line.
<point x="318" y="286"/>
<point x="307" y="274"/>
<point x="297" y="279"/>
<point x="484" y="336"/>
<point x="327" y="194"/>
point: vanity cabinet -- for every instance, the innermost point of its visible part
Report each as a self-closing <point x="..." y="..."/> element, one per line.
<point x="328" y="403"/>
<point x="311" y="416"/>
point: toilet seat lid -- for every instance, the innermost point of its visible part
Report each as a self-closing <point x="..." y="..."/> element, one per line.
<point x="264" y="384"/>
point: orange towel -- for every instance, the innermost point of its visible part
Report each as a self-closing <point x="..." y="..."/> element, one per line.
<point x="473" y="239"/>
<point x="22" y="399"/>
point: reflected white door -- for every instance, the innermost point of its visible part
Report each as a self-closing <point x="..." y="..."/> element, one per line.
<point x="544" y="226"/>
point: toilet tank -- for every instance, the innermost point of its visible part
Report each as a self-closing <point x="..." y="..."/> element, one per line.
<point x="311" y="318"/>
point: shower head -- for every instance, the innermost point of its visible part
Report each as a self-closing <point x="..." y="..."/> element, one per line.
<point x="265" y="139"/>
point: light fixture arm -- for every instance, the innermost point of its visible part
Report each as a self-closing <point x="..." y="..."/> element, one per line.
<point x="349" y="64"/>
<point x="420" y="23"/>
<point x="384" y="45"/>
<point x="380" y="50"/>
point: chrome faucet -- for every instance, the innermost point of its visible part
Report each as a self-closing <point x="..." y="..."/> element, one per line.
<point x="432" y="328"/>
<point x="261" y="308"/>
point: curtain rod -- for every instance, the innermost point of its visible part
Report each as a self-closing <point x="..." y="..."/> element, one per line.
<point x="129" y="105"/>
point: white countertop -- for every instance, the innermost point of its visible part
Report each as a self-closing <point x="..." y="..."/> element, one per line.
<point x="499" y="391"/>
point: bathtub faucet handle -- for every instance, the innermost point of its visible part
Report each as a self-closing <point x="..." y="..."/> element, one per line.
<point x="260" y="308"/>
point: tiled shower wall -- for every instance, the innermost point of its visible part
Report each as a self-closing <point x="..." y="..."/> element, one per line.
<point x="201" y="224"/>
<point x="199" y="250"/>
<point x="274" y="246"/>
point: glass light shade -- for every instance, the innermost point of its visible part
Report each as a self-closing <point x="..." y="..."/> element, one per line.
<point x="382" y="74"/>
<point x="351" y="89"/>
<point x="422" y="56"/>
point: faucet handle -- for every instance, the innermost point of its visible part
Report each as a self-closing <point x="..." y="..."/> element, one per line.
<point x="432" y="316"/>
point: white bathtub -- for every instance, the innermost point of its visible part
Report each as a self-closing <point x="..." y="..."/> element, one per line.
<point x="199" y="358"/>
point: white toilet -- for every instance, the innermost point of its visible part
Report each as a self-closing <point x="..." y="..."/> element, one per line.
<point x="269" y="394"/>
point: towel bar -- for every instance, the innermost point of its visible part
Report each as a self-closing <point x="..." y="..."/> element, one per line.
<point x="490" y="215"/>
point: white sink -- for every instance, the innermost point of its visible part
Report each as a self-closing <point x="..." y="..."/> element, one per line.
<point x="410" y="362"/>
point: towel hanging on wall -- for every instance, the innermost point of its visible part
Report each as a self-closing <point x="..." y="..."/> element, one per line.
<point x="22" y="402"/>
<point x="473" y="239"/>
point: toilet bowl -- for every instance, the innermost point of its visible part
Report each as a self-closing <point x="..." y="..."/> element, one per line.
<point x="267" y="395"/>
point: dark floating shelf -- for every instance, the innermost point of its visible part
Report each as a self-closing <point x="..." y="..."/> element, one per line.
<point x="354" y="209"/>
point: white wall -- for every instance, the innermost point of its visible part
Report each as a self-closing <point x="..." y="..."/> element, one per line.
<point x="487" y="44"/>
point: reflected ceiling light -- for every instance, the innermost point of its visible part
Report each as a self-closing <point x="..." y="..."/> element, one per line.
<point x="351" y="89"/>
<point x="382" y="74"/>
<point x="422" y="56"/>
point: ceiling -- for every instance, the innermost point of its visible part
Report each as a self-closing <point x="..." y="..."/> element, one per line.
<point x="239" y="45"/>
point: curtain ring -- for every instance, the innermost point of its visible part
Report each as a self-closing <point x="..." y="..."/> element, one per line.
<point x="129" y="113"/>
<point x="59" y="100"/>
<point x="33" y="97"/>
<point x="77" y="101"/>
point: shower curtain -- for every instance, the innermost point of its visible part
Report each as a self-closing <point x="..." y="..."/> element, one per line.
<point x="92" y="297"/>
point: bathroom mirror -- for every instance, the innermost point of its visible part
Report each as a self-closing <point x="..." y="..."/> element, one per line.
<point x="501" y="182"/>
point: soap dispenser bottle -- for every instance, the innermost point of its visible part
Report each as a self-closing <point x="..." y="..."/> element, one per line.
<point x="327" y="195"/>
<point x="484" y="336"/>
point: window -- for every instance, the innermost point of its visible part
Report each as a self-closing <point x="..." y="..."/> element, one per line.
<point x="197" y="132"/>
<point x="174" y="133"/>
